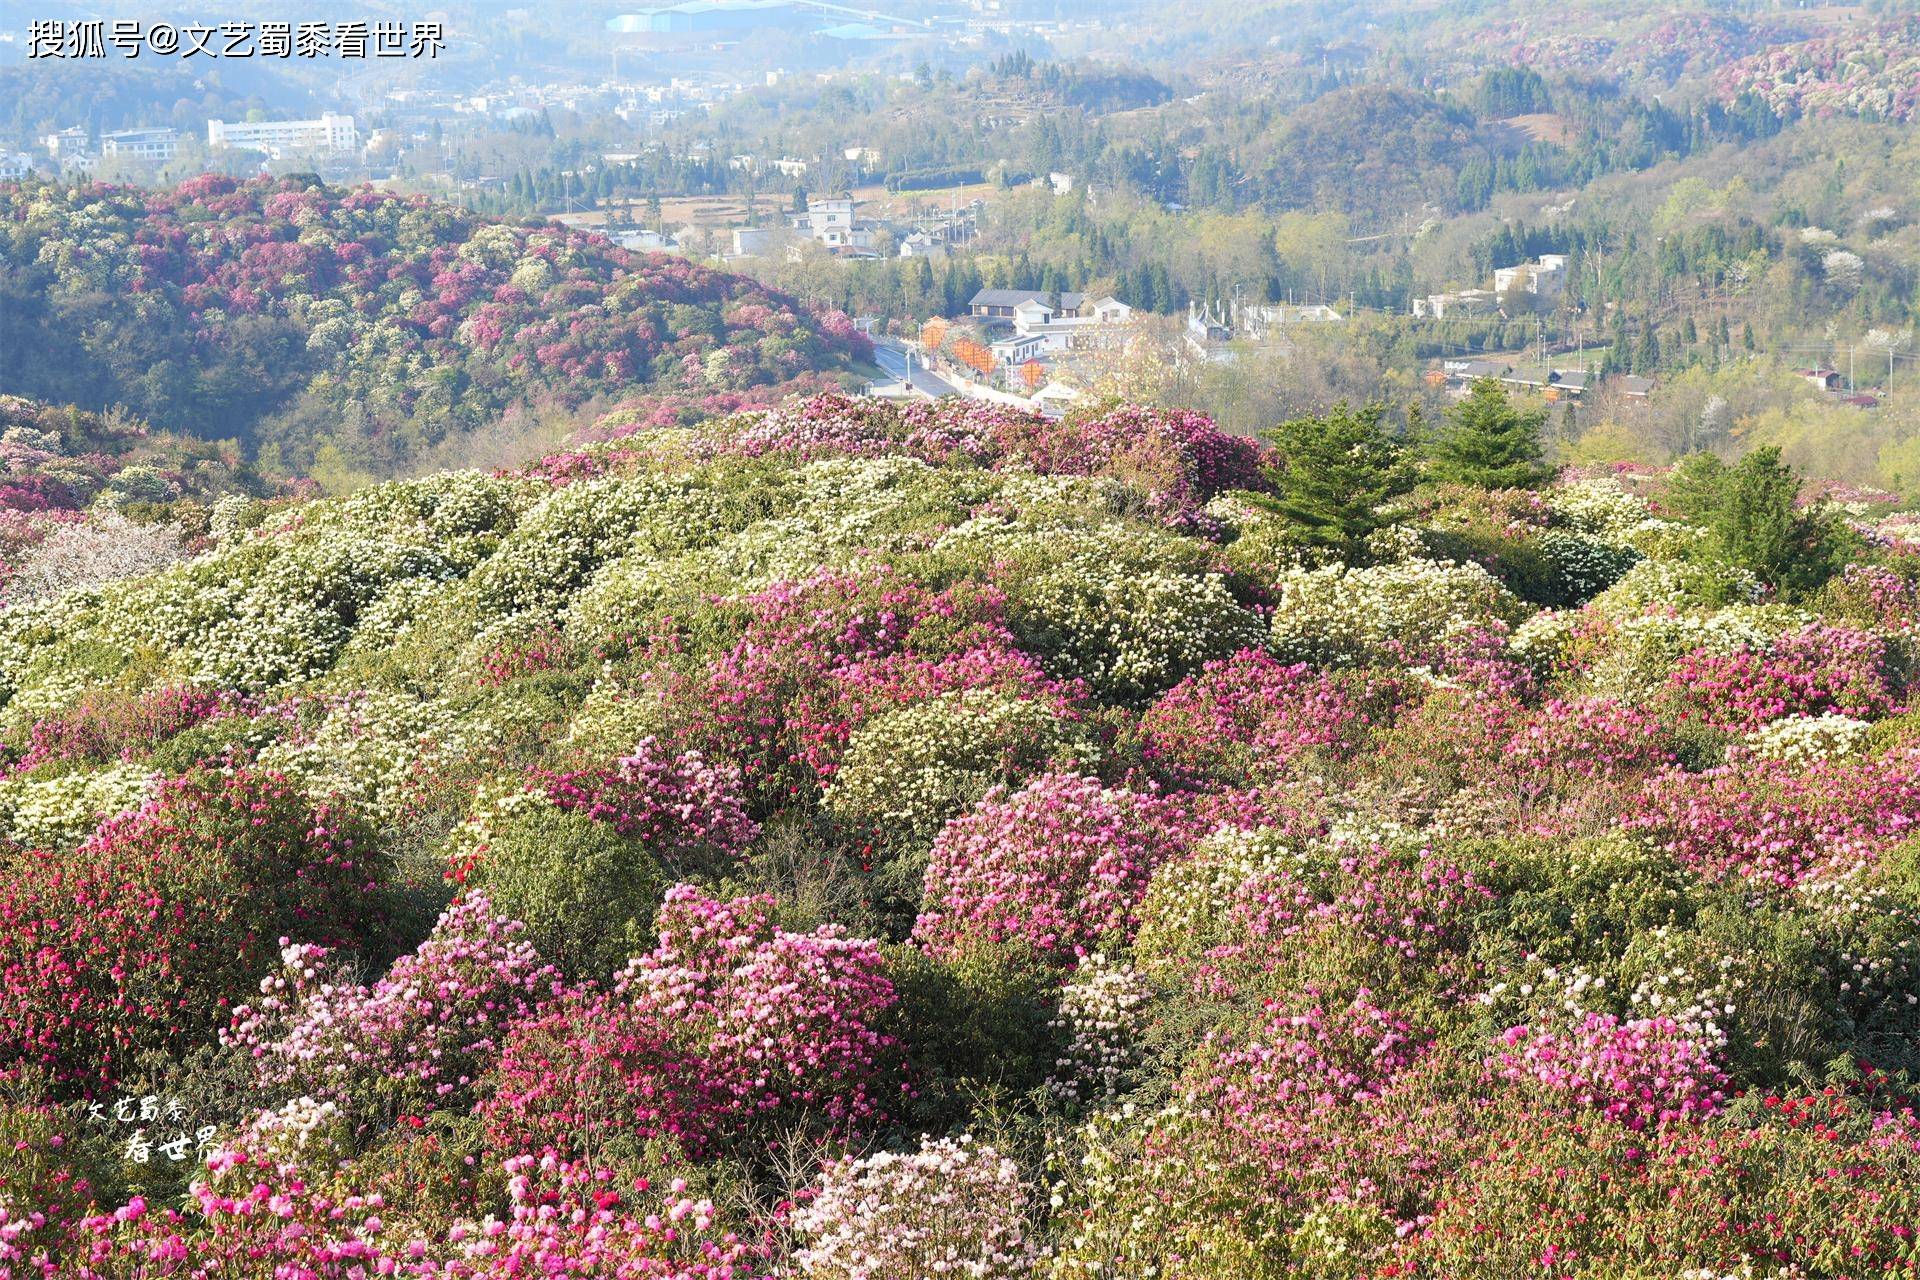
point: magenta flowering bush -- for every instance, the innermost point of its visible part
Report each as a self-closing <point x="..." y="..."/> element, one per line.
<point x="844" y="774"/>
<point x="687" y="811"/>
<point x="413" y="1041"/>
<point x="1780" y="822"/>
<point x="730" y="1026"/>
<point x="1058" y="865"/>
<point x="1245" y="719"/>
<point x="254" y="1214"/>
<point x="155" y="928"/>
<point x="1643" y="1073"/>
<point x="1816" y="670"/>
<point x="791" y="1024"/>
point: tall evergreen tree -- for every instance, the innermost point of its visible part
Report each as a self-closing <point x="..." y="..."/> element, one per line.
<point x="1335" y="473"/>
<point x="1489" y="443"/>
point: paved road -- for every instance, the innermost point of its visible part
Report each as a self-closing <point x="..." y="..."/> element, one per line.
<point x="892" y="358"/>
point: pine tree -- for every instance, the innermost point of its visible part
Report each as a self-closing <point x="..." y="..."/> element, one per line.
<point x="1490" y="444"/>
<point x="1334" y="474"/>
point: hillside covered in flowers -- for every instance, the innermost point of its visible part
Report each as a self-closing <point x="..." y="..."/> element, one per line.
<point x="867" y="843"/>
<point x="295" y="316"/>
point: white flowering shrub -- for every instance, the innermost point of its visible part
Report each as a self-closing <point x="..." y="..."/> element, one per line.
<point x="953" y="1208"/>
<point x="907" y="771"/>
<point x="1639" y="651"/>
<point x="1810" y="739"/>
<point x="1678" y="584"/>
<point x="1339" y="616"/>
<point x="1130" y="634"/>
<point x="1601" y="508"/>
<point x="1188" y="908"/>
<point x="369" y="748"/>
<point x="559" y="544"/>
<point x="1103" y="1012"/>
<point x="61" y="811"/>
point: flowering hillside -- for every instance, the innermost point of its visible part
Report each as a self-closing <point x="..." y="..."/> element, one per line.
<point x="867" y="843"/>
<point x="298" y="316"/>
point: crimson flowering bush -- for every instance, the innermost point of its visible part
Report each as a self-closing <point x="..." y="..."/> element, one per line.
<point x="818" y="657"/>
<point x="415" y="1040"/>
<point x="108" y="728"/>
<point x="149" y="933"/>
<point x="1177" y="460"/>
<point x="1816" y="670"/>
<point x="1246" y="719"/>
<point x="729" y="1027"/>
<point x="255" y="1214"/>
<point x="1058" y="865"/>
<point x="1643" y="1073"/>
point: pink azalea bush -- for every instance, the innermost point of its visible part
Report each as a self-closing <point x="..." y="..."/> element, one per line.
<point x="687" y="810"/>
<point x="416" y="1039"/>
<point x="1246" y="718"/>
<point x="1057" y="865"/>
<point x="729" y="1026"/>
<point x="1643" y="1073"/>
<point x="1815" y="670"/>
<point x="1778" y="822"/>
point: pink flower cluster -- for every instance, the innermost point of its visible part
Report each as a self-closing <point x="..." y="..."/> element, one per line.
<point x="253" y="1216"/>
<point x="1244" y="719"/>
<point x="149" y="932"/>
<point x="1818" y="669"/>
<point x="688" y="811"/>
<point x="104" y="728"/>
<point x="1178" y="458"/>
<point x="787" y="1022"/>
<point x="418" y="1038"/>
<point x="1777" y="822"/>
<point x="1059" y="865"/>
<point x="730" y="1024"/>
<point x="1309" y="1055"/>
<point x="1645" y="1073"/>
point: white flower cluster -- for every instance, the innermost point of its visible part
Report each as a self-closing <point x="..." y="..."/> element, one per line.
<point x="1342" y="616"/>
<point x="953" y="1208"/>
<point x="912" y="769"/>
<point x="1677" y="584"/>
<point x="1103" y="1011"/>
<point x="559" y="544"/>
<point x="303" y="1131"/>
<point x="1601" y="508"/>
<point x="60" y="812"/>
<point x="370" y="747"/>
<point x="1700" y="992"/>
<point x="1807" y="739"/>
<point x="1642" y="649"/>
<point x="1132" y="634"/>
<point x="230" y="516"/>
<point x="493" y="802"/>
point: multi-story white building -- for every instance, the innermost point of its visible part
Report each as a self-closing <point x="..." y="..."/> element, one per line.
<point x="14" y="164"/>
<point x="141" y="144"/>
<point x="328" y="133"/>
<point x="1546" y="277"/>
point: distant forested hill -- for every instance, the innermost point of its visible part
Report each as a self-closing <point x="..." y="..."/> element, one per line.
<point x="296" y="316"/>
